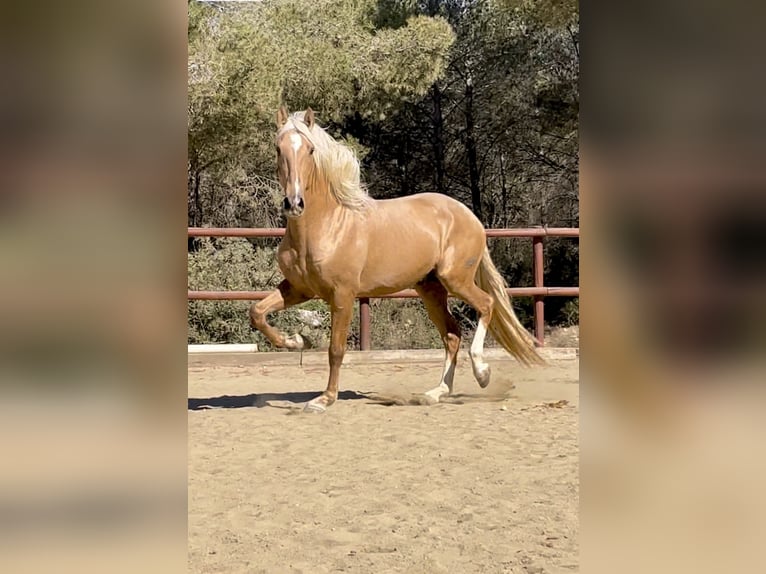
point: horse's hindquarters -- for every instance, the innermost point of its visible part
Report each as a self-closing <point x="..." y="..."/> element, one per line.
<point x="410" y="237"/>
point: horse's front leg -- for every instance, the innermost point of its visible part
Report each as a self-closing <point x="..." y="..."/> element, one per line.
<point x="342" y="308"/>
<point x="285" y="296"/>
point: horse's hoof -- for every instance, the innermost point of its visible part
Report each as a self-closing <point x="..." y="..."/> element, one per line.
<point x="431" y="398"/>
<point x="295" y="342"/>
<point x="314" y="408"/>
<point x="483" y="376"/>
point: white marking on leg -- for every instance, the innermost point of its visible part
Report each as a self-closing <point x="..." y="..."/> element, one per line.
<point x="477" y="345"/>
<point x="445" y="385"/>
<point x="480" y="368"/>
<point x="448" y="374"/>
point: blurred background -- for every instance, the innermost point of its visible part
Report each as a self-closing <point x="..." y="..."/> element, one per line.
<point x="92" y="315"/>
<point x="672" y="181"/>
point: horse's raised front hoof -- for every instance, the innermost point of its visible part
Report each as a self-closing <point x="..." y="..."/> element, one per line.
<point x="482" y="375"/>
<point x="295" y="342"/>
<point x="318" y="405"/>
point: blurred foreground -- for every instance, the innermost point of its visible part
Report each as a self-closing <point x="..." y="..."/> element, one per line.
<point x="92" y="354"/>
<point x="673" y="282"/>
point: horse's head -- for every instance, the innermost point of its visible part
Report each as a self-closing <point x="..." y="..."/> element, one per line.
<point x="294" y="161"/>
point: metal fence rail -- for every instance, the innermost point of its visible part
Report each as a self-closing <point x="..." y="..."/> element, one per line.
<point x="538" y="291"/>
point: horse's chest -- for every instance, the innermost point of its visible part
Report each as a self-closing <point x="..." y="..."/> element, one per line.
<point x="309" y="270"/>
<point x="291" y="265"/>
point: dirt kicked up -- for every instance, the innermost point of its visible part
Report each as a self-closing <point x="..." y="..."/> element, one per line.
<point x="486" y="482"/>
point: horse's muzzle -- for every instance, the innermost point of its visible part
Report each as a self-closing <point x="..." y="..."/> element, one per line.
<point x="293" y="208"/>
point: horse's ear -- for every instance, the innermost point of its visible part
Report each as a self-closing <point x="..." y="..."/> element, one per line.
<point x="281" y="116"/>
<point x="308" y="118"/>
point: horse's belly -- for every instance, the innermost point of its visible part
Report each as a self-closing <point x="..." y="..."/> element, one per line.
<point x="389" y="279"/>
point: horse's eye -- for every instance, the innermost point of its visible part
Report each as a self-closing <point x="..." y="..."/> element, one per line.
<point x="311" y="151"/>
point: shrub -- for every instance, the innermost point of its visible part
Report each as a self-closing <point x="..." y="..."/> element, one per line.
<point x="571" y="313"/>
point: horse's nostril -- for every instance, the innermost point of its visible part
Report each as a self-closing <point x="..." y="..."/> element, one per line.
<point x="300" y="202"/>
<point x="286" y="204"/>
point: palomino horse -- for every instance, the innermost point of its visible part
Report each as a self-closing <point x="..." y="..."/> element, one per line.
<point x="341" y="244"/>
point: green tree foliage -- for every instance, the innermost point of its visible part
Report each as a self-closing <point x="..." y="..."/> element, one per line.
<point x="245" y="59"/>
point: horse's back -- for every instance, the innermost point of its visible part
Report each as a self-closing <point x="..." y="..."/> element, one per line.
<point x="431" y="212"/>
<point x="411" y="236"/>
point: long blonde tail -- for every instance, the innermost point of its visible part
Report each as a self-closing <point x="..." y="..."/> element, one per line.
<point x="505" y="326"/>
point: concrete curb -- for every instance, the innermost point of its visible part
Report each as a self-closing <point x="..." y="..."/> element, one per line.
<point x="314" y="358"/>
<point x="222" y="348"/>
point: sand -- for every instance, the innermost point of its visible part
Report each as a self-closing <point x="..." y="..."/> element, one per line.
<point x="487" y="482"/>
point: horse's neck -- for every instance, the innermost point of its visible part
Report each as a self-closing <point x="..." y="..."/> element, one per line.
<point x="322" y="213"/>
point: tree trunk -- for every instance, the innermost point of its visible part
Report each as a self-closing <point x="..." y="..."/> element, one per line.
<point x="438" y="138"/>
<point x="470" y="144"/>
<point x="432" y="7"/>
<point x="195" y="207"/>
<point x="402" y="161"/>
<point x="504" y="190"/>
<point x="437" y="119"/>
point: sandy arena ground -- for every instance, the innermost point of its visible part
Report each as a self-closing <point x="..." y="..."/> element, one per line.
<point x="486" y="483"/>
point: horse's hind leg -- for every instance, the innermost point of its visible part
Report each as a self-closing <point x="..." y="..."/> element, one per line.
<point x="465" y="288"/>
<point x="283" y="297"/>
<point x="434" y="297"/>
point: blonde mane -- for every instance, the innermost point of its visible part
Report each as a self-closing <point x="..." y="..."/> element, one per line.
<point x="336" y="161"/>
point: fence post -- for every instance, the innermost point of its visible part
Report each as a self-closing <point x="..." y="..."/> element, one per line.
<point x="364" y="324"/>
<point x="538" y="268"/>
